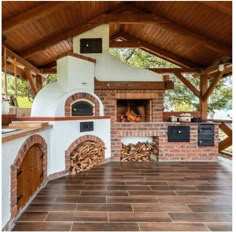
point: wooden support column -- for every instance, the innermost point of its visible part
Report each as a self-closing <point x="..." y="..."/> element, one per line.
<point x="39" y="82"/>
<point x="31" y="81"/>
<point x="203" y="102"/>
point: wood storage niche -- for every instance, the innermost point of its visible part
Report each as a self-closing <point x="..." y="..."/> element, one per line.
<point x="86" y="155"/>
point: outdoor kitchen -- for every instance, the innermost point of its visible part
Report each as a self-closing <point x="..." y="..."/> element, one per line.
<point x="99" y="110"/>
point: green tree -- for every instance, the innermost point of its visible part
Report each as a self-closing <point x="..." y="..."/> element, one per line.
<point x="181" y="98"/>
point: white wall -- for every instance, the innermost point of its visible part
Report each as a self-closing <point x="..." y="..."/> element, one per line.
<point x="9" y="153"/>
<point x="107" y="67"/>
<point x="135" y="140"/>
<point x="74" y="73"/>
<point x="58" y="140"/>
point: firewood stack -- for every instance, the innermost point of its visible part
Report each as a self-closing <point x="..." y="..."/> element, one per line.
<point x="86" y="155"/>
<point x="139" y="152"/>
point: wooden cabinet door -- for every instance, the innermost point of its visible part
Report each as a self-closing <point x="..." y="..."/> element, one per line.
<point x="29" y="175"/>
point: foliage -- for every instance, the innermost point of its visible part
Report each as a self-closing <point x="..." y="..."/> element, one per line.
<point x="50" y="79"/>
<point x="181" y="98"/>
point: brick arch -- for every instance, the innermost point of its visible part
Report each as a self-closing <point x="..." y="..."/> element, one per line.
<point x="76" y="143"/>
<point x="79" y="97"/>
<point x="32" y="140"/>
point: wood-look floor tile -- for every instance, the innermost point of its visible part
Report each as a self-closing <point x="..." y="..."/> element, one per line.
<point x="133" y="187"/>
<point x="50" y="207"/>
<point x="160" y="208"/>
<point x="213" y="187"/>
<point x="200" y="217"/>
<point x="203" y="193"/>
<point x="81" y="200"/>
<point x="163" y="183"/>
<point x="223" y="226"/>
<point x="104" y="182"/>
<point x="33" y="216"/>
<point x="211" y="208"/>
<point x="152" y="193"/>
<point x="42" y="226"/>
<point x="105" y="226"/>
<point x="84" y="187"/>
<point x="184" y="199"/>
<point x="177" y="187"/>
<point x="104" y="207"/>
<point x="172" y="227"/>
<point x="44" y="199"/>
<point x="104" y="193"/>
<point x="132" y="199"/>
<point x="139" y="217"/>
<point x="77" y="216"/>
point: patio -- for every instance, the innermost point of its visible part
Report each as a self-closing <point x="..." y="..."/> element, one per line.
<point x="173" y="196"/>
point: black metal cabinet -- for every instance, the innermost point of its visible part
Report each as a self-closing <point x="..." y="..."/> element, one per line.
<point x="178" y="134"/>
<point x="206" y="134"/>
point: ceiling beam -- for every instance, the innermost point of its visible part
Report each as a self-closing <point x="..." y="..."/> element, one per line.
<point x="174" y="70"/>
<point x="220" y="6"/>
<point x="33" y="14"/>
<point x="188" y="84"/>
<point x="123" y="44"/>
<point x="11" y="55"/>
<point x="212" y="86"/>
<point x="158" y="51"/>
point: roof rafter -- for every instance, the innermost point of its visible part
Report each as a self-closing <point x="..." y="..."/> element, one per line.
<point x="157" y="51"/>
<point x="219" y="6"/>
<point x="33" y="14"/>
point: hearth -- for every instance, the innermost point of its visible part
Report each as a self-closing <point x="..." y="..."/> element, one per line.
<point x="133" y="110"/>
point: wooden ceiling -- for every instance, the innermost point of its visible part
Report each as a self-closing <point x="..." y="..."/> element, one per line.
<point x="189" y="34"/>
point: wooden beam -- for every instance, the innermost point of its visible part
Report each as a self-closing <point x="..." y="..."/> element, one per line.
<point x="214" y="69"/>
<point x="225" y="143"/>
<point x="187" y="83"/>
<point x="22" y="61"/>
<point x="212" y="86"/>
<point x="39" y="82"/>
<point x="49" y="70"/>
<point x="158" y="51"/>
<point x="32" y="15"/>
<point x="131" y="85"/>
<point x="123" y="44"/>
<point x="203" y="103"/>
<point x="226" y="129"/>
<point x="178" y="70"/>
<point x="19" y="71"/>
<point x="223" y="7"/>
<point x="31" y="81"/>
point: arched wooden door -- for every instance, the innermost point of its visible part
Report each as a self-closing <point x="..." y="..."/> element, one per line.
<point x="29" y="175"/>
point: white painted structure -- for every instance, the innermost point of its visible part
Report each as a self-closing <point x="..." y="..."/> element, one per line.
<point x="58" y="140"/>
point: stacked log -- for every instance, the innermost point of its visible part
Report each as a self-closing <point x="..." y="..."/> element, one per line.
<point x="142" y="151"/>
<point x="86" y="155"/>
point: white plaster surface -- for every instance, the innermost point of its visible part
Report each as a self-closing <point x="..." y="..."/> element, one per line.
<point x="58" y="140"/>
<point x="107" y="67"/>
<point x="135" y="140"/>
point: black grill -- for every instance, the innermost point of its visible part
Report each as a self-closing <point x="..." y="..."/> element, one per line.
<point x="82" y="108"/>
<point x="206" y="135"/>
<point x="178" y="134"/>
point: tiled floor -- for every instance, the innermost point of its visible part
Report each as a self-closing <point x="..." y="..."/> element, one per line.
<point x="136" y="197"/>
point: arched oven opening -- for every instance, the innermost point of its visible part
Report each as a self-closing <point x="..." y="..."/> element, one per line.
<point x="82" y="108"/>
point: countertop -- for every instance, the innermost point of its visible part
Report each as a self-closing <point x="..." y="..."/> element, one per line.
<point x="6" y="137"/>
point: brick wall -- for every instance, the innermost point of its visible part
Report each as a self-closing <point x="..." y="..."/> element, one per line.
<point x="157" y="129"/>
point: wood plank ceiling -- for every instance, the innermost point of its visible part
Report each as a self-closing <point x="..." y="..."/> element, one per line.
<point x="190" y="34"/>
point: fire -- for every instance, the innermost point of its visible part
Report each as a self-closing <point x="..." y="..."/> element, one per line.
<point x="130" y="116"/>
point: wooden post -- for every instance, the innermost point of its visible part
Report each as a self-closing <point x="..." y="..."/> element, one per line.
<point x="5" y="70"/>
<point x="203" y="102"/>
<point x="39" y="82"/>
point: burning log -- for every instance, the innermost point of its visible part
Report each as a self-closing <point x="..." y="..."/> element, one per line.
<point x="139" y="152"/>
<point x="86" y="155"/>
